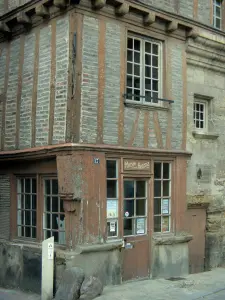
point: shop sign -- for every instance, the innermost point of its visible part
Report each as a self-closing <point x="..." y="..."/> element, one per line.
<point x="136" y="165"/>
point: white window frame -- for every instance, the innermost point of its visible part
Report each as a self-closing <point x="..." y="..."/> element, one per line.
<point x="205" y="115"/>
<point x="217" y="4"/>
<point x="142" y="70"/>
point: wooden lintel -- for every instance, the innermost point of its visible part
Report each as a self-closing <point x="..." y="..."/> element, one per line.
<point x="4" y="27"/>
<point x="42" y="11"/>
<point x="98" y="4"/>
<point x="149" y="19"/>
<point x="122" y="9"/>
<point x="172" y="26"/>
<point x="193" y="33"/>
<point x="23" y="18"/>
<point x="61" y="4"/>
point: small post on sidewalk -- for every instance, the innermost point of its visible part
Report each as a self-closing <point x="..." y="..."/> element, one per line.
<point x="47" y="269"/>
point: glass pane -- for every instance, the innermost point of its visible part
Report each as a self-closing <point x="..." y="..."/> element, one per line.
<point x="55" y="187"/>
<point x="155" y="97"/>
<point x="55" y="204"/>
<point x="127" y="227"/>
<point x="27" y="218"/>
<point x="165" y="224"/>
<point x="130" y="43"/>
<point x="129" y="94"/>
<point x="201" y="124"/>
<point x="111" y="189"/>
<point x="155" y="73"/>
<point x="33" y="232"/>
<point x="155" y="62"/>
<point x="148" y="96"/>
<point x="140" y="225"/>
<point x="34" y="202"/>
<point x="19" y="217"/>
<point x="148" y="59"/>
<point x="47" y="203"/>
<point x="55" y="220"/>
<point x="62" y="237"/>
<point x="137" y="82"/>
<point x="129" y="55"/>
<point x="140" y="189"/>
<point x="27" y="186"/>
<point x="137" y="57"/>
<point x="218" y="10"/>
<point x="21" y="185"/>
<point x="218" y="23"/>
<point x="157" y="224"/>
<point x="48" y="234"/>
<point x="129" y="68"/>
<point x="157" y="206"/>
<point x="155" y="85"/>
<point x="61" y="206"/>
<point x="147" y="71"/>
<point x="166" y="171"/>
<point x="166" y="188"/>
<point x="141" y="207"/>
<point x="61" y="222"/>
<point x="157" y="170"/>
<point x="27" y="202"/>
<point x="111" y="168"/>
<point x="128" y="208"/>
<point x="128" y="188"/>
<point x="112" y="228"/>
<point x="197" y="124"/>
<point x="157" y="188"/>
<point x="130" y="81"/>
<point x="27" y="231"/>
<point x="33" y="218"/>
<point x="48" y="221"/>
<point x="34" y="187"/>
<point x="112" y="208"/>
<point x="137" y="45"/>
<point x="56" y="236"/>
<point x="148" y="85"/>
<point x="47" y="187"/>
<point x="136" y="95"/>
<point x="137" y="70"/>
<point x="148" y="48"/>
<point x="155" y="49"/>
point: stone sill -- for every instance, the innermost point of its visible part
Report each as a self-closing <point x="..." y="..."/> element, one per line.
<point x="110" y="245"/>
<point x="145" y="106"/>
<point x="207" y="136"/>
<point x="171" y="239"/>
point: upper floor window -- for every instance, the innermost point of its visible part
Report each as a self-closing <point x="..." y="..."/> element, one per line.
<point x="217" y="13"/>
<point x="200" y="115"/>
<point x="143" y="83"/>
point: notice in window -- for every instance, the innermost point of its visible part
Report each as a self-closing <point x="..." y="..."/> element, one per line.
<point x="112" y="227"/>
<point x="112" y="211"/>
<point x="165" y="206"/>
<point x="140" y="225"/>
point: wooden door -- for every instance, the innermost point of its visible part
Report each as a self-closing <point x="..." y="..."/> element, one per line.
<point x="136" y="251"/>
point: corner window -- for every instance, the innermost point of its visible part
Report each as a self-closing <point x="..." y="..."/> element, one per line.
<point x="112" y="198"/>
<point x="162" y="197"/>
<point x="217" y="13"/>
<point x="134" y="207"/>
<point x="200" y="110"/>
<point x="143" y="83"/>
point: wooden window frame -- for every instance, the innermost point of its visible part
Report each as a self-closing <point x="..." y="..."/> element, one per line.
<point x="203" y="103"/>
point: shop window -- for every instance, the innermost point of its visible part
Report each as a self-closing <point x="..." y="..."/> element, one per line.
<point x="143" y="84"/>
<point x="134" y="207"/>
<point x="112" y="198"/>
<point x="162" y="196"/>
<point x="26" y="207"/>
<point x="54" y="217"/>
<point x="217" y="13"/>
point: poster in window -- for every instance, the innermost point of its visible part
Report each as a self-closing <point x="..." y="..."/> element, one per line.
<point x="165" y="224"/>
<point x="112" y="227"/>
<point x="165" y="206"/>
<point x="112" y="208"/>
<point x="140" y="225"/>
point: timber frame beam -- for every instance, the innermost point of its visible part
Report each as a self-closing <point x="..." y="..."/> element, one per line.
<point x="45" y="9"/>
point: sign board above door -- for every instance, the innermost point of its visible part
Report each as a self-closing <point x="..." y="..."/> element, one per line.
<point x="136" y="165"/>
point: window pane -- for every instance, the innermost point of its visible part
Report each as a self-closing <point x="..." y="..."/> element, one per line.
<point x="34" y="202"/>
<point x="165" y="224"/>
<point x="28" y="217"/>
<point x="61" y="206"/>
<point x="128" y="189"/>
<point x="33" y="232"/>
<point x="55" y="187"/>
<point x="140" y="225"/>
<point x="137" y="70"/>
<point x="166" y="171"/>
<point x="130" y="81"/>
<point x="155" y="49"/>
<point x="129" y="93"/>
<point x="127" y="227"/>
<point x="155" y="85"/>
<point x="141" y="207"/>
<point x="157" y="206"/>
<point x="137" y="57"/>
<point x="148" y="96"/>
<point x="218" y="11"/>
<point x="130" y="43"/>
<point x="48" y="221"/>
<point x="55" y="221"/>
<point x="33" y="218"/>
<point x="55" y="204"/>
<point x="47" y="187"/>
<point x="48" y="203"/>
<point x="27" y="231"/>
<point x="148" y="85"/>
<point x="157" y="170"/>
<point x="27" y="202"/>
<point x="148" y="47"/>
<point x="140" y="189"/>
<point x="27" y="186"/>
<point x="111" y="189"/>
<point x="147" y="71"/>
<point x="137" y="82"/>
<point x="155" y="61"/>
<point x="128" y="208"/>
<point x="129" y="55"/>
<point x="112" y="228"/>
<point x="201" y="124"/>
<point x="218" y="23"/>
<point x="157" y="224"/>
<point x="137" y="45"/>
<point x="129" y="68"/>
<point x="34" y="186"/>
<point x="166" y="188"/>
<point x="56" y="236"/>
<point x="157" y="188"/>
<point x="155" y="97"/>
<point x="147" y="59"/>
<point x="155" y="73"/>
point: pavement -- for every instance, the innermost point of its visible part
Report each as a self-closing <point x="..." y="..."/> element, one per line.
<point x="207" y="285"/>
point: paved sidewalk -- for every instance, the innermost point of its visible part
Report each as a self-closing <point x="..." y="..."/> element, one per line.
<point x="208" y="286"/>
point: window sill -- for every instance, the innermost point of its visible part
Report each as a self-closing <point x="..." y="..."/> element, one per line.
<point x="171" y="239"/>
<point x="146" y="106"/>
<point x="205" y="135"/>
<point x="110" y="245"/>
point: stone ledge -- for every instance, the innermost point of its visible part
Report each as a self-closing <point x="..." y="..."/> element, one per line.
<point x="145" y="106"/>
<point x="172" y="239"/>
<point x="99" y="247"/>
<point x="206" y="136"/>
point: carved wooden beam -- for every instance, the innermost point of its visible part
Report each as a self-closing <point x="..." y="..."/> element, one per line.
<point x="172" y="26"/>
<point x="193" y="33"/>
<point x="4" y="28"/>
<point x="98" y="4"/>
<point x="61" y="4"/>
<point x="149" y="19"/>
<point x="22" y="18"/>
<point x="122" y="9"/>
<point x="42" y="11"/>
